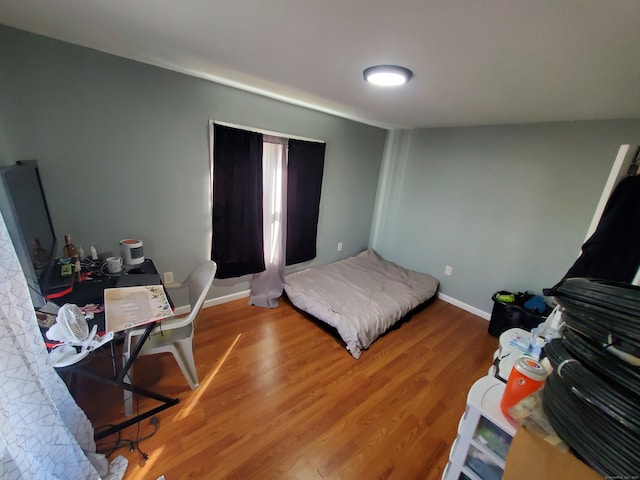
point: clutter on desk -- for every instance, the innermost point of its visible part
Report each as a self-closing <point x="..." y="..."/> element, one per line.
<point x="45" y="320"/>
<point x="130" y="307"/>
<point x="114" y="264"/>
<point x="69" y="250"/>
<point x="75" y="340"/>
<point x="91" y="309"/>
<point x="131" y="251"/>
<point x="78" y="269"/>
<point x="66" y="270"/>
<point x="50" y="307"/>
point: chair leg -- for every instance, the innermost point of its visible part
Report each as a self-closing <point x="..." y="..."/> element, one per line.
<point x="128" y="396"/>
<point x="183" y="353"/>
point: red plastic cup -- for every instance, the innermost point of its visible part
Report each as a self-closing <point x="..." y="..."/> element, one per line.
<point x="527" y="376"/>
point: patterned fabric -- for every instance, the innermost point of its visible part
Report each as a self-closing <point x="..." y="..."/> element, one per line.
<point x="43" y="432"/>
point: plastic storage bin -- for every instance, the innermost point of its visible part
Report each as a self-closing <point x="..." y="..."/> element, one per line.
<point x="480" y="449"/>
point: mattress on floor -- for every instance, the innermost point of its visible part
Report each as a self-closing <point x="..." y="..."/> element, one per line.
<point x="361" y="296"/>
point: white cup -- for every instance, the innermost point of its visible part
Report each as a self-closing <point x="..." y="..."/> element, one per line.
<point x="114" y="264"/>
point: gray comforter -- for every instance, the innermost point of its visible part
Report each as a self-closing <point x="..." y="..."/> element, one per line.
<point x="361" y="296"/>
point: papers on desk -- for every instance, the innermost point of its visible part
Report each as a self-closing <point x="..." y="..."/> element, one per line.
<point x="130" y="307"/>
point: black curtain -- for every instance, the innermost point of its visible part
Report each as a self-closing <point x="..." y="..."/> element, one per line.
<point x="613" y="251"/>
<point x="237" y="245"/>
<point x="304" y="183"/>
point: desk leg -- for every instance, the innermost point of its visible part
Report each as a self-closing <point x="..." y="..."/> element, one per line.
<point x="118" y="381"/>
<point x="167" y="402"/>
<point x="135" y="353"/>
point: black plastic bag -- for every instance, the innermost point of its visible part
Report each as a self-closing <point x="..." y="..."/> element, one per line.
<point x="507" y="315"/>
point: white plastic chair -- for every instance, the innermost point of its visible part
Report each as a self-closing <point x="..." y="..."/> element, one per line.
<point x="174" y="335"/>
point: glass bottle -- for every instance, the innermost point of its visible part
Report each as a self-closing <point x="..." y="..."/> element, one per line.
<point x="69" y="250"/>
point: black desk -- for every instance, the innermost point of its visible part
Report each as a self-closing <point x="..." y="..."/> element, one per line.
<point x="92" y="291"/>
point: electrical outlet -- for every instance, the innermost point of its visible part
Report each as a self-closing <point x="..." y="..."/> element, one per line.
<point x="448" y="270"/>
<point x="340" y="246"/>
<point x="167" y="278"/>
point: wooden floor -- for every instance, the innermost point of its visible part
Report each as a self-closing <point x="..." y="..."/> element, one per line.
<point x="280" y="398"/>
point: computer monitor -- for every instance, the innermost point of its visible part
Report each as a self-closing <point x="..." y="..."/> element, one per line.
<point x="26" y="214"/>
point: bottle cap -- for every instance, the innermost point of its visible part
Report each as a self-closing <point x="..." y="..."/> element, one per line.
<point x="530" y="368"/>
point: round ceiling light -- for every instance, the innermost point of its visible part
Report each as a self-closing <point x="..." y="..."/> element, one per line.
<point x="387" y="75"/>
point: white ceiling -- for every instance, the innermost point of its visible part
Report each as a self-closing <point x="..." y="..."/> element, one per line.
<point x="475" y="62"/>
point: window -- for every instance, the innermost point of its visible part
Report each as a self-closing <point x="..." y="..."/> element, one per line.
<point x="266" y="200"/>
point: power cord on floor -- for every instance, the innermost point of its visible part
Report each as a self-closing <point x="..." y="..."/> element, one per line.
<point x="133" y="443"/>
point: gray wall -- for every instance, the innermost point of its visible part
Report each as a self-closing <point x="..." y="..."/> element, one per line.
<point x="123" y="151"/>
<point x="507" y="207"/>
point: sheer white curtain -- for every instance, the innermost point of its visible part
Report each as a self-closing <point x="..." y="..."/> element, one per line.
<point x="43" y="432"/>
<point x="266" y="287"/>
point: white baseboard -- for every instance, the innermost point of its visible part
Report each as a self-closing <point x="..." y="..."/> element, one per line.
<point x="213" y="301"/>
<point x="464" y="306"/>
<point x="245" y="294"/>
<point x="226" y="298"/>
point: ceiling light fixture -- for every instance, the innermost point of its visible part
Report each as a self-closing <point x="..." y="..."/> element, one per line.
<point x="387" y="75"/>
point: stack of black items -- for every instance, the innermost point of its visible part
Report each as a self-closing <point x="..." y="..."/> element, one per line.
<point x="592" y="398"/>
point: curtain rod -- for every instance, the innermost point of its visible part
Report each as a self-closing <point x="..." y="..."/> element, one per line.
<point x="264" y="132"/>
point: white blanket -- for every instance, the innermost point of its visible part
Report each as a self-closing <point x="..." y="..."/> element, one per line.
<point x="361" y="296"/>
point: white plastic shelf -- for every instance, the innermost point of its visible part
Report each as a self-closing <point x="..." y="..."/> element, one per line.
<point x="484" y="435"/>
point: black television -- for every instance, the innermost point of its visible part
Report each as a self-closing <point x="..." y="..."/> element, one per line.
<point x="26" y="214"/>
